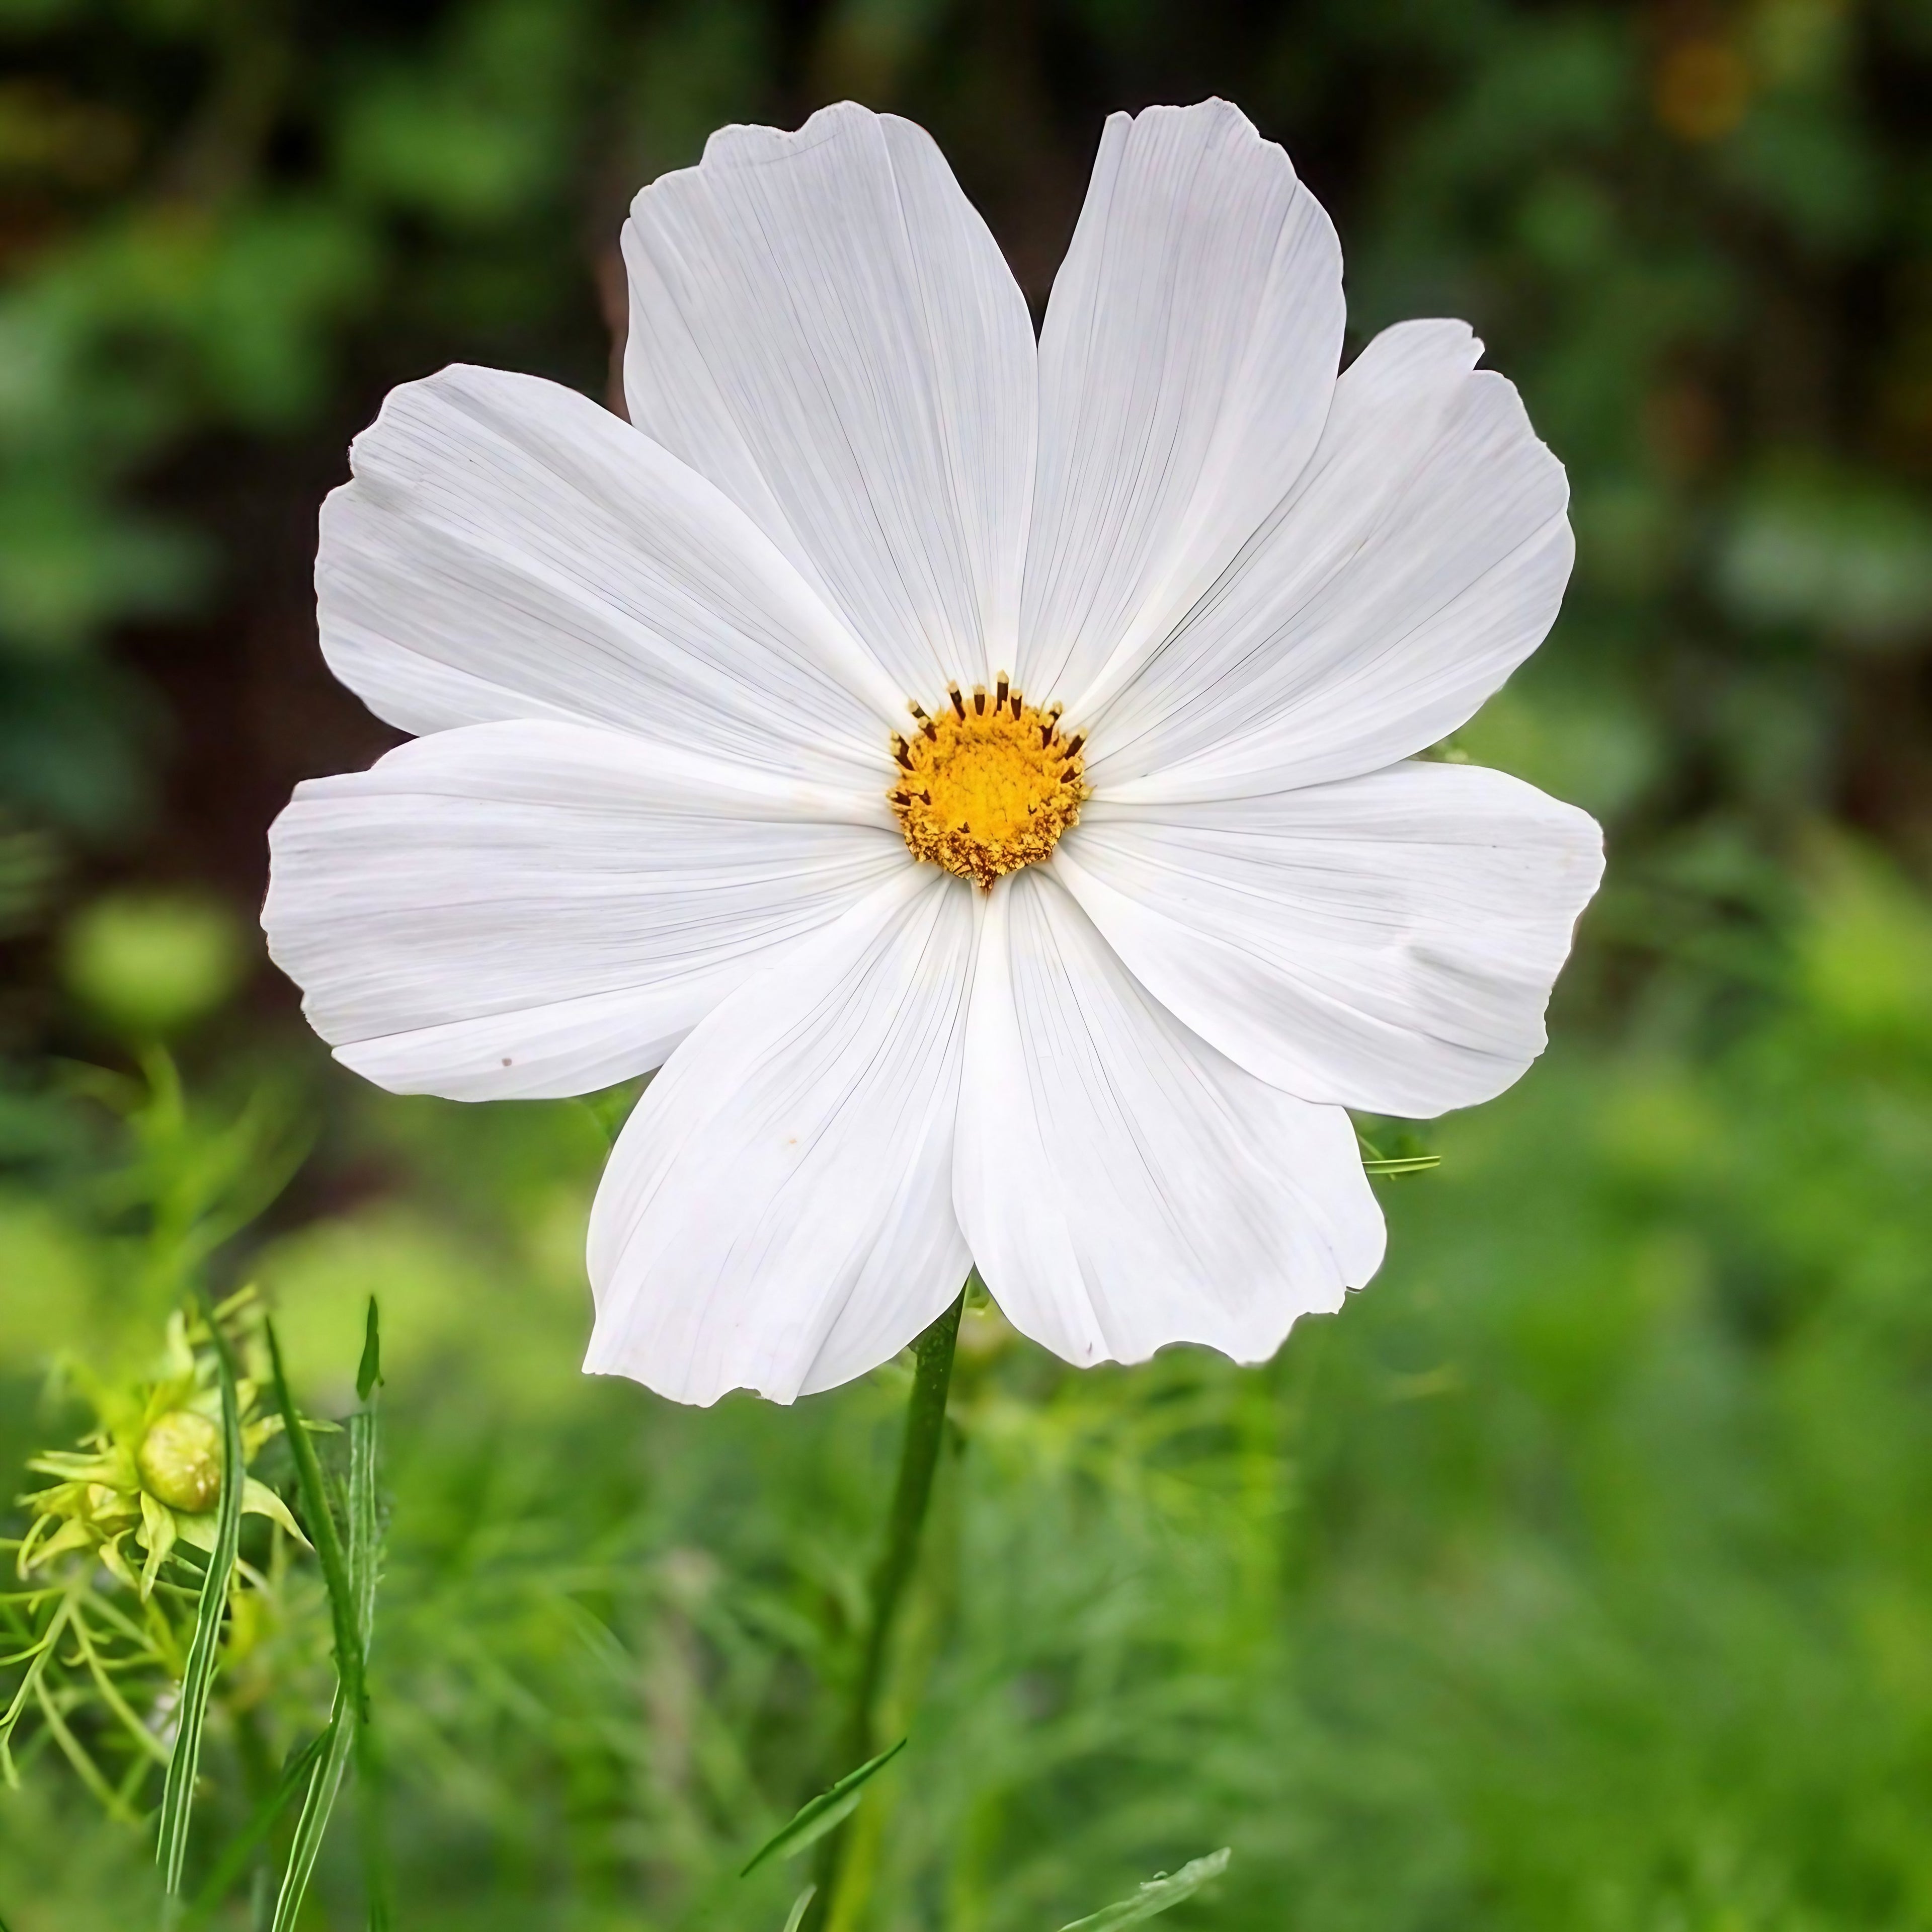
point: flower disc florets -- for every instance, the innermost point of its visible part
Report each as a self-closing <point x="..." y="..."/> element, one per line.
<point x="989" y="785"/>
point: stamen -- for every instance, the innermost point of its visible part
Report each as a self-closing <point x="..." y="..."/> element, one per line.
<point x="991" y="786"/>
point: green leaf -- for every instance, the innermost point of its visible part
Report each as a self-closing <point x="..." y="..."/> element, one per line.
<point x="349" y="1721"/>
<point x="1409" y="1158"/>
<point x="342" y="1603"/>
<point x="325" y="1780"/>
<point x="794" y="1919"/>
<point x="1156" y="1895"/>
<point x="198" y="1679"/>
<point x="258" y="1499"/>
<point x="234" y="1854"/>
<point x="369" y="1371"/>
<point x="825" y="1813"/>
<point x="365" y="1553"/>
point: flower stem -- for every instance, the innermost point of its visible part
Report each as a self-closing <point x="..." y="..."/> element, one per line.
<point x="918" y="1455"/>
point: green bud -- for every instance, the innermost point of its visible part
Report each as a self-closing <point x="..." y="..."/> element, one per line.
<point x="180" y="1461"/>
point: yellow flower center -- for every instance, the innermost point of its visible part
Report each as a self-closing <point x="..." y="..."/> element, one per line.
<point x="989" y="785"/>
<point x="180" y="1461"/>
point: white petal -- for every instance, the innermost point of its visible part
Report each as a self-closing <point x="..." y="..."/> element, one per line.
<point x="1123" y="1185"/>
<point x="1387" y="942"/>
<point x="821" y="324"/>
<point x="537" y="908"/>
<point x="508" y="549"/>
<point x="1419" y="559"/>
<point x="776" y="1215"/>
<point x="1186" y="364"/>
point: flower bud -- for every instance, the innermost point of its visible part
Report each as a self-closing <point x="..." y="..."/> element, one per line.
<point x="180" y="1461"/>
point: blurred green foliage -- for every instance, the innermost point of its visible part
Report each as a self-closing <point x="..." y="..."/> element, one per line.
<point x="1576" y="1576"/>
<point x="151" y="963"/>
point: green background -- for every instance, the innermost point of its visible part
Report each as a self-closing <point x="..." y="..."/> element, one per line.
<point x="1579" y="1574"/>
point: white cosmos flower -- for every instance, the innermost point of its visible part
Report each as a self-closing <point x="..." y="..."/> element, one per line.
<point x="656" y="812"/>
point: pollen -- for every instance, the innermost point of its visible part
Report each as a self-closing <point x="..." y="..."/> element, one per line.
<point x="987" y="785"/>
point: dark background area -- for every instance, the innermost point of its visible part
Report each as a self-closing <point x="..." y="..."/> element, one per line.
<point x="1699" y="238"/>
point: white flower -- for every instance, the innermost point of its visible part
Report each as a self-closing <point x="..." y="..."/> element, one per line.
<point x="657" y="811"/>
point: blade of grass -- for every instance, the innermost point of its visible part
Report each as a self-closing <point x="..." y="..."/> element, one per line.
<point x="365" y="1551"/>
<point x="325" y="1780"/>
<point x="824" y="1813"/>
<point x="800" y="1906"/>
<point x="1156" y="1895"/>
<point x="352" y="1578"/>
<point x="322" y="1532"/>
<point x="1406" y="1163"/>
<point x="234" y="1854"/>
<point x="1374" y="1161"/>
<point x="198" y="1678"/>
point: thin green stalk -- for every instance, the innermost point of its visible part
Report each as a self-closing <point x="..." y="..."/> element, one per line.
<point x="323" y="1532"/>
<point x="364" y="1566"/>
<point x="325" y="1779"/>
<point x="919" y="1457"/>
<point x="39" y="1653"/>
<point x="198" y="1677"/>
<point x="138" y="1734"/>
<point x="351" y="1573"/>
<point x="77" y="1754"/>
<point x="235" y="1854"/>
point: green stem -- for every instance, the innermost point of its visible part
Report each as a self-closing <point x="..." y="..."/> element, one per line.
<point x="919" y="1457"/>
